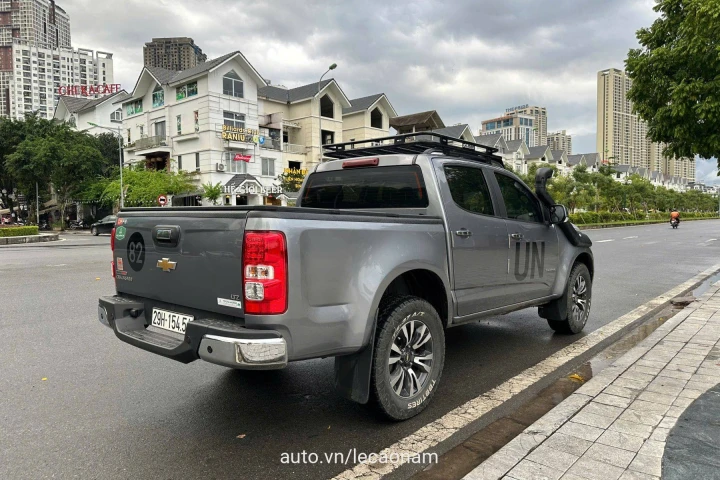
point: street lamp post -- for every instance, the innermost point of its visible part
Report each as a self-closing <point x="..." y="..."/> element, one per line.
<point x="117" y="130"/>
<point x="331" y="67"/>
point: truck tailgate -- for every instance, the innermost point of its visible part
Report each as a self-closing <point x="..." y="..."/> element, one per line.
<point x="181" y="258"/>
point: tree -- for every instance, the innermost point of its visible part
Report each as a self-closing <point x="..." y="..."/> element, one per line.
<point x="65" y="157"/>
<point x="142" y="186"/>
<point x="212" y="192"/>
<point x="291" y="180"/>
<point x="676" y="77"/>
<point x="107" y="143"/>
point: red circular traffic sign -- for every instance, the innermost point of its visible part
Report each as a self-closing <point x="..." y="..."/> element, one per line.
<point x="162" y="200"/>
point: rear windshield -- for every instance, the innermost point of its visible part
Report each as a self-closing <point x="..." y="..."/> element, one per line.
<point x="366" y="188"/>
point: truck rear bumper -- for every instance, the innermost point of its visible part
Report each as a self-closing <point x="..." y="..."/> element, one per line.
<point x="215" y="341"/>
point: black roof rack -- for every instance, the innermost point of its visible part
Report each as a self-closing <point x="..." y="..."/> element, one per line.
<point x="414" y="143"/>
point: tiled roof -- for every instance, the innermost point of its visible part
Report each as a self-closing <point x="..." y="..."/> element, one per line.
<point x="575" y="159"/>
<point x="290" y="95"/>
<point x="489" y="140"/>
<point x="201" y="68"/>
<point x="557" y="154"/>
<point x="514" y="145"/>
<point x="537" y="152"/>
<point x="75" y="104"/>
<point x="454" y="131"/>
<point x="415" y="119"/>
<point x="238" y="179"/>
<point x="360" y="104"/>
<point x="622" y="168"/>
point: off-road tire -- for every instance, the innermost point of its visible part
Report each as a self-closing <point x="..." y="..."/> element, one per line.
<point x="94" y="231"/>
<point x="395" y="313"/>
<point x="561" y="314"/>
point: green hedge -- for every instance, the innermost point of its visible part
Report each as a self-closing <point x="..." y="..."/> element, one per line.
<point x="18" y="231"/>
<point x="613" y="217"/>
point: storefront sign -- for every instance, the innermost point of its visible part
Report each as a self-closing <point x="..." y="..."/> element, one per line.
<point x="88" y="90"/>
<point x="247" y="135"/>
<point x="295" y="171"/>
<point x="253" y="189"/>
<point x="240" y="157"/>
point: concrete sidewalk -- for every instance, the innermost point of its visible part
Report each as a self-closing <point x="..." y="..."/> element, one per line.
<point x="654" y="413"/>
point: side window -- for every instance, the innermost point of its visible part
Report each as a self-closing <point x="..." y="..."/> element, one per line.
<point x="520" y="204"/>
<point x="469" y="189"/>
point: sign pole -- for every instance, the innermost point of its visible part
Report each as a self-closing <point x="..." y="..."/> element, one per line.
<point x="37" y="202"/>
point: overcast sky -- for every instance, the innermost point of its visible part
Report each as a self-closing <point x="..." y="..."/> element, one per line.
<point x="467" y="59"/>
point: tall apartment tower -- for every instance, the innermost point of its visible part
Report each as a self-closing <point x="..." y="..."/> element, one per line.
<point x="176" y="53"/>
<point x="560" y="141"/>
<point x="539" y="115"/>
<point x="622" y="135"/>
<point x="39" y="23"/>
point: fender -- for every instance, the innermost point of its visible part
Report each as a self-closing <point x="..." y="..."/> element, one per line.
<point x="353" y="372"/>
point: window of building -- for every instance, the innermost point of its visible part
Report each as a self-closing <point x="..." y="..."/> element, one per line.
<point x="469" y="189"/>
<point x="328" y="137"/>
<point x="232" y="119"/>
<point x="376" y="118"/>
<point x="520" y="204"/>
<point x="129" y="138"/>
<point x="234" y="166"/>
<point x="116" y="116"/>
<point x="142" y="130"/>
<point x="179" y="162"/>
<point x="134" y="107"/>
<point x="158" y="97"/>
<point x="232" y="85"/>
<point x="268" y="167"/>
<point x="159" y="129"/>
<point x="179" y="124"/>
<point x="327" y="107"/>
<point x="186" y="91"/>
<point x="197" y="162"/>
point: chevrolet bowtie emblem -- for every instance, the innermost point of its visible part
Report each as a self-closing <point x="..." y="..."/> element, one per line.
<point x="166" y="264"/>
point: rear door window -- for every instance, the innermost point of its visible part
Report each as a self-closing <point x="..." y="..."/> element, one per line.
<point x="468" y="189"/>
<point x="367" y="188"/>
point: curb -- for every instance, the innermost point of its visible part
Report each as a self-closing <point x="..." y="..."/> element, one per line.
<point x="517" y="450"/>
<point x="43" y="237"/>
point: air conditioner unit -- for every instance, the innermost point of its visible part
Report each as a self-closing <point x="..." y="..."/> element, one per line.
<point x="220" y="167"/>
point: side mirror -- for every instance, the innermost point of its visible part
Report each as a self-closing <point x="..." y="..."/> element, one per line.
<point x="558" y="214"/>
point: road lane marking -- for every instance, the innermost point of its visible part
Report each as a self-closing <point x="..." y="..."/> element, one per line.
<point x="628" y="238"/>
<point x="711" y="240"/>
<point x="603" y="241"/>
<point x="650" y="243"/>
<point x="444" y="427"/>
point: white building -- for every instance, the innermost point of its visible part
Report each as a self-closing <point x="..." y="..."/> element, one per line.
<point x="81" y="112"/>
<point x="539" y="117"/>
<point x="41" y="75"/>
<point x="514" y="126"/>
<point x="560" y="141"/>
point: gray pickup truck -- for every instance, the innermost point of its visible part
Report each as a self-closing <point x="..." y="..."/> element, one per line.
<point x="391" y="243"/>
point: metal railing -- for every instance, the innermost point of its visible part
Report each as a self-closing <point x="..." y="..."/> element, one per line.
<point x="293" y="148"/>
<point x="150" y="142"/>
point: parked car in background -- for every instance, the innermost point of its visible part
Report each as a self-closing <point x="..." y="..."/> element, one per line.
<point x="103" y="226"/>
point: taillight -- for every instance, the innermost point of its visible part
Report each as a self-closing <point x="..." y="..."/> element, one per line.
<point x="112" y="247"/>
<point x="265" y="273"/>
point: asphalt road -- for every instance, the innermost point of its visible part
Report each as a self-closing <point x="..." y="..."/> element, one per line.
<point x="77" y="402"/>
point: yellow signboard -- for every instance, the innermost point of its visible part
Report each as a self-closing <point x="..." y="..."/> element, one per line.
<point x="237" y="134"/>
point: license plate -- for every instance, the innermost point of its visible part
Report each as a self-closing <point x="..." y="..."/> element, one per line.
<point x="175" y="322"/>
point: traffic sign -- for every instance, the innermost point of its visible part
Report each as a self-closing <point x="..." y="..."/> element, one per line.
<point x="162" y="200"/>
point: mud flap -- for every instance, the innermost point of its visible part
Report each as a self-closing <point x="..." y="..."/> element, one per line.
<point x="353" y="372"/>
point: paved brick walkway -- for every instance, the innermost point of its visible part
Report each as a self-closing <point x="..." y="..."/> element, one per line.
<point x="616" y="425"/>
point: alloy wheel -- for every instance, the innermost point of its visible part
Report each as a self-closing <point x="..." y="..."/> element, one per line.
<point x="411" y="358"/>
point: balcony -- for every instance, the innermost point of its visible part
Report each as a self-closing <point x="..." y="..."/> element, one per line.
<point x="150" y="145"/>
<point x="294" y="149"/>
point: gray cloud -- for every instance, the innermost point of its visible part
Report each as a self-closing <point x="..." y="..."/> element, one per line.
<point x="468" y="59"/>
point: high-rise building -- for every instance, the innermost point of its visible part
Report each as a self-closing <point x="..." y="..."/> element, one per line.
<point x="622" y="136"/>
<point x="514" y="126"/>
<point x="175" y="53"/>
<point x="560" y="141"/>
<point x="539" y="115"/>
<point x="40" y="75"/>
<point x="35" y="22"/>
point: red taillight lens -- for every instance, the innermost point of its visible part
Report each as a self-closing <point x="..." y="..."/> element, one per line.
<point x="112" y="247"/>
<point x="265" y="273"/>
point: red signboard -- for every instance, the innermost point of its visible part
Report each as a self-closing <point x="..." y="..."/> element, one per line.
<point x="88" y="90"/>
<point x="244" y="158"/>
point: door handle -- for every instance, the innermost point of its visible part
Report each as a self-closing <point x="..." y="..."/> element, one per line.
<point x="516" y="236"/>
<point x="463" y="233"/>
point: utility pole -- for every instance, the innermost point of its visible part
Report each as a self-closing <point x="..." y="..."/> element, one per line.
<point x="332" y="67"/>
<point x="37" y="202"/>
